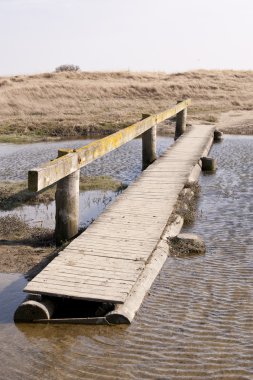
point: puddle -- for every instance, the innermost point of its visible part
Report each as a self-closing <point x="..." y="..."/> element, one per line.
<point x="196" y="322"/>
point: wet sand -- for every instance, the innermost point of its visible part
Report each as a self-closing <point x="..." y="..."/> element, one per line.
<point x="236" y="122"/>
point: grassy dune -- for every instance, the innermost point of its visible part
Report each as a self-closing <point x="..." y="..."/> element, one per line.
<point x="54" y="105"/>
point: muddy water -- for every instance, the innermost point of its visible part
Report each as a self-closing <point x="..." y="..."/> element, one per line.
<point x="196" y="323"/>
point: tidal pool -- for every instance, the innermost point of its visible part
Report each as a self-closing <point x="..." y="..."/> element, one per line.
<point x="195" y="323"/>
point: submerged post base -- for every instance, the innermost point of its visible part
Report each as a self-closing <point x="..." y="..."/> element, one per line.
<point x="31" y="310"/>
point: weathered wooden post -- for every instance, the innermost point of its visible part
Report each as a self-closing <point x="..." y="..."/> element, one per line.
<point x="67" y="206"/>
<point x="148" y="145"/>
<point x="217" y="135"/>
<point x="180" y="122"/>
<point x="208" y="164"/>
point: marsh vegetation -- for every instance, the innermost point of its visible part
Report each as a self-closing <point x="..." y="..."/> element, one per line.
<point x="64" y="104"/>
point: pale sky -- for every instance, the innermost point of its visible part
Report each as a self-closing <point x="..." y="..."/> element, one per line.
<point x="137" y="35"/>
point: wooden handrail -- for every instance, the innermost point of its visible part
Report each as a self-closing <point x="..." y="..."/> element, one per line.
<point x="74" y="159"/>
<point x="65" y="170"/>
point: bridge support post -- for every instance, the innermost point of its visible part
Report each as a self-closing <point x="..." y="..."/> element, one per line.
<point x="67" y="207"/>
<point x="148" y="145"/>
<point x="218" y="135"/>
<point x="180" y="122"/>
<point x="208" y="164"/>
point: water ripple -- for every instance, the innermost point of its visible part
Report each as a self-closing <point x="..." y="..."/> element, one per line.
<point x="196" y="322"/>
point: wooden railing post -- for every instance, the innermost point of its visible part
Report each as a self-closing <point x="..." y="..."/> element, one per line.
<point x="180" y="122"/>
<point x="67" y="206"/>
<point x="148" y="145"/>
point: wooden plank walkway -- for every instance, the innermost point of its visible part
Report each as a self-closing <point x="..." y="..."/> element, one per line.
<point x="105" y="261"/>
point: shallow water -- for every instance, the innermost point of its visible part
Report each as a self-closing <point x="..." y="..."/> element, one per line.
<point x="91" y="204"/>
<point x="196" y="322"/>
<point x="123" y="164"/>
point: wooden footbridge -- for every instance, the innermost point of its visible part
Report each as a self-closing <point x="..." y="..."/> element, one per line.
<point x="119" y="255"/>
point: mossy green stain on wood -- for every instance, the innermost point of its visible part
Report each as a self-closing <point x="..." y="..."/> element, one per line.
<point x="75" y="159"/>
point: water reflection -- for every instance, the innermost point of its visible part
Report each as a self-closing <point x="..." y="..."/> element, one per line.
<point x="92" y="203"/>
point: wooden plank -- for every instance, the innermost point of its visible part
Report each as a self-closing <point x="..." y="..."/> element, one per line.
<point x="73" y="285"/>
<point x="75" y="257"/>
<point x="127" y="234"/>
<point x="111" y="262"/>
<point x="99" y="273"/>
<point x="128" y="223"/>
<point x="95" y="272"/>
<point x="73" y="260"/>
<point x="80" y="264"/>
<point x="97" y="247"/>
<point x="127" y="255"/>
<point x="134" y="254"/>
<point x="100" y="224"/>
<point x="59" y="291"/>
<point x="129" y="216"/>
<point x="84" y="285"/>
<point x="88" y="279"/>
<point x="92" y="241"/>
<point x="51" y="172"/>
<point x="113" y="241"/>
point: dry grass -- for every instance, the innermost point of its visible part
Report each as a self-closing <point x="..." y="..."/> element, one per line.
<point x="15" y="229"/>
<point x="69" y="104"/>
<point x="103" y="182"/>
<point x="14" y="194"/>
<point x="22" y="247"/>
<point x="186" y="206"/>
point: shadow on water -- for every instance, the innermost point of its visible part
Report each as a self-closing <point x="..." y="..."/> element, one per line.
<point x="11" y="286"/>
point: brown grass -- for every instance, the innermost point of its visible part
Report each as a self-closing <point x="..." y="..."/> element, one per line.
<point x="15" y="229"/>
<point x="185" y="206"/>
<point x="22" y="247"/>
<point x="15" y="194"/>
<point x="186" y="247"/>
<point x="69" y="104"/>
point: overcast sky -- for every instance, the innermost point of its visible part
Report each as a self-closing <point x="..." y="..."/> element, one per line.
<point x="137" y="35"/>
